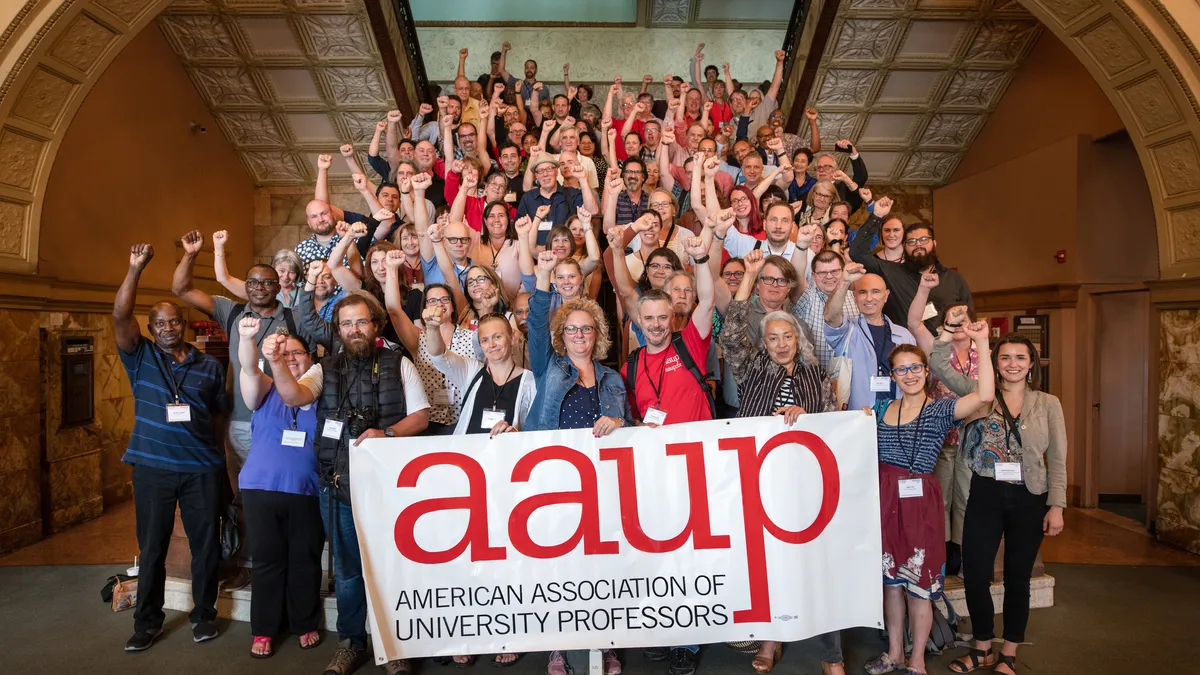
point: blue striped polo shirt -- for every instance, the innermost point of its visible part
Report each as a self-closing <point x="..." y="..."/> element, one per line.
<point x="186" y="447"/>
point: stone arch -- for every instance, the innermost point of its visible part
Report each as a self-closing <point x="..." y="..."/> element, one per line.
<point x="1140" y="52"/>
<point x="1147" y="65"/>
<point x="51" y="54"/>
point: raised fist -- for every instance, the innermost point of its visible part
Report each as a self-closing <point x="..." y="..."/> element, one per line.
<point x="542" y="212"/>
<point x="810" y="113"/>
<point x="425" y="109"/>
<point x="140" y="254"/>
<point x="929" y="278"/>
<point x="359" y="181"/>
<point x="394" y="258"/>
<point x="853" y="272"/>
<point x="220" y="237"/>
<point x="421" y="181"/>
<point x="442" y="101"/>
<point x="324" y="162"/>
<point x="347" y="150"/>
<point x="358" y="229"/>
<point x="546" y="262"/>
<point x="394" y="115"/>
<point x="432" y="317"/>
<point x="192" y="242"/>
<point x="780" y="55"/>
<point x="883" y="206"/>
<point x="462" y="53"/>
<point x="341" y="228"/>
<point x="248" y="327"/>
<point x="273" y="347"/>
<point x="695" y="247"/>
<point x="314" y="271"/>
<point x="381" y="126"/>
<point x="383" y="215"/>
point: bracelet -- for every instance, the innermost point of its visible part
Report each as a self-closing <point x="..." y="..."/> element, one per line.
<point x="701" y="260"/>
<point x="718" y="237"/>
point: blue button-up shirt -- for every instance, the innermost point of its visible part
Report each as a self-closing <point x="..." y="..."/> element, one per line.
<point x="852" y="339"/>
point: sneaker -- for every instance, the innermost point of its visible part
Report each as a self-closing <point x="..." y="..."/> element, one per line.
<point x="612" y="665"/>
<point x="683" y="661"/>
<point x="240" y="579"/>
<point x="204" y="631"/>
<point x="557" y="665"/>
<point x="142" y="640"/>
<point x="656" y="653"/>
<point x="346" y="659"/>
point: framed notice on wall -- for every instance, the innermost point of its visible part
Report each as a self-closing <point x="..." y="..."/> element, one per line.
<point x="999" y="326"/>
<point x="1037" y="329"/>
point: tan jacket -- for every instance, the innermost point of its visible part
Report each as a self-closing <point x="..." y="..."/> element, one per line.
<point x="1043" y="430"/>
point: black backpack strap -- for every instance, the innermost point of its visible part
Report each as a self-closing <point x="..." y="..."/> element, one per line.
<point x="231" y="323"/>
<point x="473" y="383"/>
<point x="685" y="357"/>
<point x="631" y="380"/>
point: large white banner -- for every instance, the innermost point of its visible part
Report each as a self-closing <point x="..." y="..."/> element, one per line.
<point x="686" y="534"/>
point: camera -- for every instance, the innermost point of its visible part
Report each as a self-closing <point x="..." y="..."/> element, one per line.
<point x="359" y="420"/>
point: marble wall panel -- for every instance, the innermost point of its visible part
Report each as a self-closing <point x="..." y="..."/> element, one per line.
<point x="20" y="444"/>
<point x="1179" y="444"/>
<point x="1180" y="334"/>
<point x="20" y="386"/>
<point x="1178" y="520"/>
<point x="1179" y="389"/>
<point x="75" y="494"/>
<point x="20" y="509"/>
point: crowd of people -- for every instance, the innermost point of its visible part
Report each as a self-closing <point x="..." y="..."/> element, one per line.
<point x="469" y="297"/>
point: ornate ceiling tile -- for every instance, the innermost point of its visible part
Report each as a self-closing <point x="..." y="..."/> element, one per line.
<point x="1178" y="166"/>
<point x="913" y="81"/>
<point x="865" y="40"/>
<point x="1153" y="106"/>
<point x="845" y="87"/>
<point x="670" y="11"/>
<point x="83" y="43"/>
<point x="126" y="10"/>
<point x="1112" y="47"/>
<point x="198" y="37"/>
<point x="286" y="79"/>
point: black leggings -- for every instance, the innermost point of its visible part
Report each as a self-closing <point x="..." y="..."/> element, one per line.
<point x="287" y="536"/>
<point x="994" y="510"/>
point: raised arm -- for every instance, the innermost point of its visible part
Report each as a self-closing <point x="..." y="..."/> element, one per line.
<point x="462" y="63"/>
<point x="231" y="283"/>
<point x="124" y="325"/>
<point x="421" y="182"/>
<point x="567" y="78"/>
<point x="589" y="264"/>
<point x="321" y="189"/>
<point x="623" y="281"/>
<point x="777" y="77"/>
<point x="392" y="138"/>
<point x="458" y="203"/>
<point x="410" y="337"/>
<point x="254" y="382"/>
<point x="697" y="248"/>
<point x="735" y="338"/>
<point x="446" y="265"/>
<point x="351" y="158"/>
<point x="183" y="284"/>
<point x="535" y="110"/>
<point x="663" y="159"/>
<point x="504" y="48"/>
<point x="612" y="189"/>
<point x="835" y="305"/>
<point x="292" y="393"/>
<point x="916" y="311"/>
<point x="526" y="240"/>
<point x="376" y="138"/>
<point x="814" y="133"/>
<point x="433" y="318"/>
<point x="860" y="248"/>
<point x="312" y="325"/>
<point x="986" y="383"/>
<point x="716" y="227"/>
<point x="346" y="278"/>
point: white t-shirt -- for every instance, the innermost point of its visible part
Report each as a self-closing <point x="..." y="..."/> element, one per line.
<point x="414" y="393"/>
<point x="738" y="245"/>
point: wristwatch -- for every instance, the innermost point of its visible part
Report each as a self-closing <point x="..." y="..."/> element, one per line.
<point x="389" y="432"/>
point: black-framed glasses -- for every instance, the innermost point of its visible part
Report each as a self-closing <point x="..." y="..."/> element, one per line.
<point x="261" y="283"/>
<point x="732" y="275"/>
<point x="585" y="330"/>
<point x="661" y="267"/>
<point x="478" y="281"/>
<point x="773" y="281"/>
<point x="444" y="300"/>
<point x="458" y="240"/>
<point x="829" y="274"/>
<point x="918" y="241"/>
<point x="360" y="323"/>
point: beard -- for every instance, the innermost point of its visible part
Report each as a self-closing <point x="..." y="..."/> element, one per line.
<point x="919" y="263"/>
<point x="359" y="345"/>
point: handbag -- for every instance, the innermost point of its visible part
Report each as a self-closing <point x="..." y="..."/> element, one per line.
<point x="840" y="370"/>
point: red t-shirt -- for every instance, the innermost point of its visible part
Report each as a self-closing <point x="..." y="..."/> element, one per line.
<point x="681" y="396"/>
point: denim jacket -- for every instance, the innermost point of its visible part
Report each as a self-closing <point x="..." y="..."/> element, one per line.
<point x="556" y="374"/>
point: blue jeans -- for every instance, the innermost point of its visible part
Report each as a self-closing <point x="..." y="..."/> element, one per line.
<point x="349" y="588"/>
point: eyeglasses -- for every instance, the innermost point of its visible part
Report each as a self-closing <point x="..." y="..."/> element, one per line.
<point x="261" y="283"/>
<point x="520" y="312"/>
<point x="915" y="369"/>
<point x="585" y="330"/>
<point x="458" y="240"/>
<point x="544" y="170"/>
<point x="439" y="301"/>
<point x="911" y="242"/>
<point x="773" y="281"/>
<point x="661" y="267"/>
<point x="740" y="200"/>
<point x="659" y="205"/>
<point x="732" y="275"/>
<point x="828" y="274"/>
<point x="295" y="354"/>
<point x="478" y="281"/>
<point x="822" y="194"/>
<point x="347" y="325"/>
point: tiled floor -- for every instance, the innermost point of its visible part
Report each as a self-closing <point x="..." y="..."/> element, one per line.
<point x="1091" y="536"/>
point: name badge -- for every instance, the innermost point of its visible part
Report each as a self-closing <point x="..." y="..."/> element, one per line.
<point x="881" y="383"/>
<point x="655" y="416"/>
<point x="491" y="418"/>
<point x="930" y="312"/>
<point x="179" y="412"/>
<point x="262" y="365"/>
<point x="545" y="226"/>
<point x="441" y="397"/>
<point x="332" y="429"/>
<point x="1008" y="471"/>
<point x="293" y="439"/>
<point x="911" y="487"/>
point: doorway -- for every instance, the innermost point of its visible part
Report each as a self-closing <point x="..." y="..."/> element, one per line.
<point x="1123" y="464"/>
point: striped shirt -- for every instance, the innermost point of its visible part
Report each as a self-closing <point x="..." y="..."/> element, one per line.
<point x="916" y="445"/>
<point x="199" y="380"/>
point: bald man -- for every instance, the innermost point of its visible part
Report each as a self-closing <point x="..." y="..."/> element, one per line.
<point x="178" y="393"/>
<point x="867" y="340"/>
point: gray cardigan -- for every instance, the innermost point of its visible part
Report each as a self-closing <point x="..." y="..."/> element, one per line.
<point x="1043" y="430"/>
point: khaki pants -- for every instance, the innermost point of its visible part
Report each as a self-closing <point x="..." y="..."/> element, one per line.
<point x="955" y="477"/>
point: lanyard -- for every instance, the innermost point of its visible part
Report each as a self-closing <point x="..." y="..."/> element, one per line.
<point x="881" y="367"/>
<point x="496" y="391"/>
<point x="295" y="413"/>
<point x="175" y="385"/>
<point x="661" y="373"/>
<point x="912" y="456"/>
<point x="1011" y="428"/>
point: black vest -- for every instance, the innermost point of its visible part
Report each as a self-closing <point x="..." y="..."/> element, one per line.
<point x="363" y="394"/>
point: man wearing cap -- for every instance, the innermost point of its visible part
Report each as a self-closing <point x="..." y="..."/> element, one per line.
<point x="562" y="200"/>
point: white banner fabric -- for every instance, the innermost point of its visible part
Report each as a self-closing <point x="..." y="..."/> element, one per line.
<point x="686" y="534"/>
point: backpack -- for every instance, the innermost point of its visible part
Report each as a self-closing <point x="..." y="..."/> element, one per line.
<point x="943" y="634"/>
<point x="685" y="357"/>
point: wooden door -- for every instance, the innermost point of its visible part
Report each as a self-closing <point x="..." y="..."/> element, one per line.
<point x="1123" y="352"/>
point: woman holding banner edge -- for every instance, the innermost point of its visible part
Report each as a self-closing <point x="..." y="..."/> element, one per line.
<point x="574" y="390"/>
<point x="910" y="434"/>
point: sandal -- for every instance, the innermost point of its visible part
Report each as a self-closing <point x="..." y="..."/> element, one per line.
<point x="506" y="664"/>
<point x="263" y="641"/>
<point x="883" y="664"/>
<point x="764" y="664"/>
<point x="464" y="664"/>
<point x="972" y="661"/>
<point x="1009" y="661"/>
<point x="316" y="639"/>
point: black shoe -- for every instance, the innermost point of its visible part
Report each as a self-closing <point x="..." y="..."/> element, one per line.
<point x="953" y="559"/>
<point x="656" y="653"/>
<point x="142" y="640"/>
<point x="683" y="661"/>
<point x="204" y="631"/>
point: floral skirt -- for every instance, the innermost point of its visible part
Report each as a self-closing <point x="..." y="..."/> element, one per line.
<point x="914" y="533"/>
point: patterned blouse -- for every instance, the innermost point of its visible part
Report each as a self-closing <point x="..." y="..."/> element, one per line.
<point x="971" y="370"/>
<point x="463" y="344"/>
<point x="988" y="441"/>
